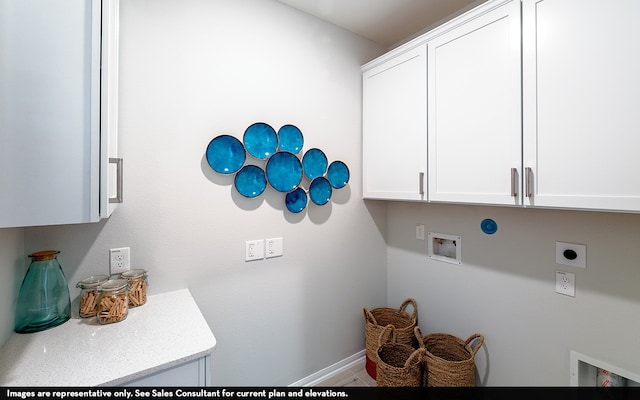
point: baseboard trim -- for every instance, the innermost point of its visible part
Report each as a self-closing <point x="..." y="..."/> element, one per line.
<point x="331" y="370"/>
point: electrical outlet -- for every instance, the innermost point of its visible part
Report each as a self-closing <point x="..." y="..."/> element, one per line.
<point x="273" y="247"/>
<point x="420" y="231"/>
<point x="566" y="283"/>
<point x="254" y="250"/>
<point x="119" y="260"/>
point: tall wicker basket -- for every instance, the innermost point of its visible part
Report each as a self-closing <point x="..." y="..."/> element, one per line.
<point x="378" y="318"/>
<point x="449" y="361"/>
<point x="398" y="364"/>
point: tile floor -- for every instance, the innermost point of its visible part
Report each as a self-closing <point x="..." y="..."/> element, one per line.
<point x="354" y="376"/>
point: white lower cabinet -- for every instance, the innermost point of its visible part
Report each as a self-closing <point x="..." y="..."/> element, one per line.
<point x="193" y="373"/>
<point x="395" y="126"/>
<point x="580" y="88"/>
<point x="58" y="111"/>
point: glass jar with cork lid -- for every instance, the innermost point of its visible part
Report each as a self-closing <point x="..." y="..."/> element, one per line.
<point x="137" y="279"/>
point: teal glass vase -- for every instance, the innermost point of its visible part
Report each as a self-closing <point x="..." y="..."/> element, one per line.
<point x="44" y="300"/>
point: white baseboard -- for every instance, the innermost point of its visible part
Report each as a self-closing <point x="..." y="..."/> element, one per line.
<point x="331" y="370"/>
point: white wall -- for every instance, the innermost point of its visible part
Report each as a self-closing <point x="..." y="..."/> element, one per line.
<point x="191" y="70"/>
<point x="505" y="287"/>
<point x="12" y="270"/>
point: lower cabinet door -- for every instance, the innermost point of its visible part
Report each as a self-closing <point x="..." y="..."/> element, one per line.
<point x="192" y="373"/>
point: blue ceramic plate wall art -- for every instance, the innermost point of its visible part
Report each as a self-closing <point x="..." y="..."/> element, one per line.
<point x="284" y="171"/>
<point x="250" y="181"/>
<point x="338" y="174"/>
<point x="225" y="154"/>
<point x="260" y="140"/>
<point x="290" y="139"/>
<point x="296" y="201"/>
<point x="489" y="226"/>
<point x="314" y="163"/>
<point x="320" y="191"/>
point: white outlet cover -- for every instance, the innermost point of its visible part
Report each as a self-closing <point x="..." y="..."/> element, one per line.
<point x="420" y="231"/>
<point x="119" y="260"/>
<point x="581" y="251"/>
<point x="273" y="247"/>
<point x="254" y="250"/>
<point x="566" y="283"/>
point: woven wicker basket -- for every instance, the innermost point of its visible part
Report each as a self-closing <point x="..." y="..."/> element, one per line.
<point x="449" y="361"/>
<point x="398" y="364"/>
<point x="378" y="318"/>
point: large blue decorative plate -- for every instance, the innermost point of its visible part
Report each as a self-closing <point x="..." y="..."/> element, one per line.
<point x="250" y="181"/>
<point x="284" y="171"/>
<point x="314" y="163"/>
<point x="260" y="140"/>
<point x="296" y="201"/>
<point x="290" y="139"/>
<point x="338" y="174"/>
<point x="320" y="191"/>
<point x="225" y="154"/>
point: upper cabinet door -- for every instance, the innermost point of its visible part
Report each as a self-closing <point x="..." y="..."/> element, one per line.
<point x="54" y="110"/>
<point x="474" y="86"/>
<point x="49" y="111"/>
<point x="581" y="88"/>
<point x="395" y="127"/>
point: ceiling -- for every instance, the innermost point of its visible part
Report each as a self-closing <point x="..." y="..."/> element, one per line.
<point x="387" y="22"/>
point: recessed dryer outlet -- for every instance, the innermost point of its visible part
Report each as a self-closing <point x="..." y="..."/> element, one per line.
<point x="571" y="254"/>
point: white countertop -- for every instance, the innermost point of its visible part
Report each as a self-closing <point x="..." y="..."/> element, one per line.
<point x="167" y="331"/>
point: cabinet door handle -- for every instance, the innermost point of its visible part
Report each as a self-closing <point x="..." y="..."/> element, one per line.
<point x="514" y="182"/>
<point x="118" y="196"/>
<point x="528" y="172"/>
<point x="421" y="178"/>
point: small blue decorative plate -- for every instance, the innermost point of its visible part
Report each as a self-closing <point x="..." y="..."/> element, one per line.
<point x="489" y="226"/>
<point x="296" y="201"/>
<point x="338" y="174"/>
<point x="260" y="140"/>
<point x="314" y="163"/>
<point x="320" y="191"/>
<point x="284" y="171"/>
<point x="250" y="181"/>
<point x="290" y="139"/>
<point x="225" y="154"/>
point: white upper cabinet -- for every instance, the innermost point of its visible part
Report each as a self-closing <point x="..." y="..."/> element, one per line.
<point x="474" y="108"/>
<point x="581" y="91"/>
<point x="58" y="113"/>
<point x="530" y="103"/>
<point x="395" y="126"/>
